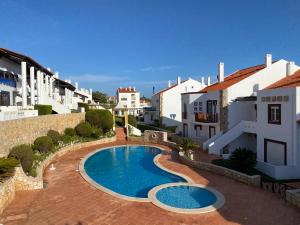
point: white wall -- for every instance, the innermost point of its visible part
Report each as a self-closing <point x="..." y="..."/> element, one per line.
<point x="171" y="102"/>
<point x="287" y="131"/>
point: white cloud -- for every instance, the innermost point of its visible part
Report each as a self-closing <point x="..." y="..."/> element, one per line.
<point x="159" y="68"/>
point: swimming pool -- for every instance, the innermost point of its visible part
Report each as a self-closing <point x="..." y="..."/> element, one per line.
<point x="186" y="198"/>
<point x="127" y="171"/>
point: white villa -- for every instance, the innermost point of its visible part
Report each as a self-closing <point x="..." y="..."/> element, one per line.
<point x="24" y="83"/>
<point x="278" y="128"/>
<point x="228" y="114"/>
<point x="166" y="107"/>
<point x="128" y="99"/>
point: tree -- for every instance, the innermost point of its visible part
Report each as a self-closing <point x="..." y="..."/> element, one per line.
<point x="145" y="98"/>
<point x="100" y="97"/>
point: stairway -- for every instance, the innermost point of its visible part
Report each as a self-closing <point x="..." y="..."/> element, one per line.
<point x="120" y="133"/>
<point x="215" y="145"/>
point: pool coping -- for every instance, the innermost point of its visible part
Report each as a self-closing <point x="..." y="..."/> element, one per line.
<point x="218" y="204"/>
<point x="86" y="177"/>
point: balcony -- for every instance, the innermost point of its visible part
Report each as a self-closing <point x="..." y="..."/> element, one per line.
<point x="8" y="82"/>
<point x="206" y="117"/>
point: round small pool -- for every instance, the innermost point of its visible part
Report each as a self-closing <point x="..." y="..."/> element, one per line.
<point x="186" y="198"/>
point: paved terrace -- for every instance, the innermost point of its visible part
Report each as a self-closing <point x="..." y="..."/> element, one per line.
<point x="69" y="199"/>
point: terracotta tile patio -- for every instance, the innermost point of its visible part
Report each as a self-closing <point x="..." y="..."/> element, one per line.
<point x="69" y="199"/>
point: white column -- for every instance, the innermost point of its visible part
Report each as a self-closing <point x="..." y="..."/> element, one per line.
<point x="32" y="89"/>
<point x="24" y="84"/>
<point x="66" y="97"/>
<point x="46" y="85"/>
<point x="42" y="88"/>
<point x="51" y="86"/>
<point x="38" y="86"/>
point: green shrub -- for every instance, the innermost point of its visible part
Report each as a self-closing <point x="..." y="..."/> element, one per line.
<point x="66" y="139"/>
<point x="243" y="160"/>
<point x="132" y="120"/>
<point x="7" y="165"/>
<point x="187" y="144"/>
<point x="96" y="133"/>
<point x="100" y="118"/>
<point x="43" y="109"/>
<point x="70" y="132"/>
<point x="43" y="144"/>
<point x="84" y="129"/>
<point x="24" y="154"/>
<point x="55" y="136"/>
<point x="119" y="121"/>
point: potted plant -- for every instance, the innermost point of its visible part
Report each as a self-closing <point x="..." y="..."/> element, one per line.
<point x="187" y="145"/>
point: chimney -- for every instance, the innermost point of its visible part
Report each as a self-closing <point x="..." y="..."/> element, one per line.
<point x="76" y="85"/>
<point x="133" y="88"/>
<point x="208" y="80"/>
<point x="290" y="68"/>
<point x="202" y="81"/>
<point x="91" y="91"/>
<point x="178" y="80"/>
<point x="57" y="75"/>
<point x="169" y="83"/>
<point x="48" y="68"/>
<point x="221" y="72"/>
<point x="268" y="60"/>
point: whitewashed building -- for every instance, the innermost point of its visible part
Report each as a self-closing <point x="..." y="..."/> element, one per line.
<point x="24" y="83"/>
<point x="226" y="103"/>
<point x="166" y="104"/>
<point x="278" y="127"/>
<point x="128" y="99"/>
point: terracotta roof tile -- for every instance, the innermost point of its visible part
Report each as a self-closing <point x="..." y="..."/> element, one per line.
<point x="234" y="78"/>
<point x="289" y="81"/>
<point x="126" y="90"/>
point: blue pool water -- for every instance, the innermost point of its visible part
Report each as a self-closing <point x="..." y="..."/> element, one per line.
<point x="186" y="197"/>
<point x="128" y="170"/>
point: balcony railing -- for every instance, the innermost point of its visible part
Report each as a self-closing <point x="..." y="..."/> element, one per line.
<point x="206" y="117"/>
<point x="8" y="82"/>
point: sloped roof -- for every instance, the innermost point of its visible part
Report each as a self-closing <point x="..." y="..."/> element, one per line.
<point x="234" y="78"/>
<point x="20" y="57"/>
<point x="289" y="81"/>
<point x="168" y="88"/>
<point x="126" y="90"/>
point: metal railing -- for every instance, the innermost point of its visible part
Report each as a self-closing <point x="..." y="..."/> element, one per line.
<point x="206" y="117"/>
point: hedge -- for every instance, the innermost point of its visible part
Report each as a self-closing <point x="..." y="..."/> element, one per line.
<point x="43" y="144"/>
<point x="24" y="154"/>
<point x="43" y="109"/>
<point x="84" y="129"/>
<point x="100" y="118"/>
<point x="55" y="136"/>
<point x="132" y="120"/>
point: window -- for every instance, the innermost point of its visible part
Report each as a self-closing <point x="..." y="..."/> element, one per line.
<point x="195" y="103"/>
<point x="200" y="106"/>
<point x="195" y="109"/>
<point x="274" y="113"/>
<point x="123" y="99"/>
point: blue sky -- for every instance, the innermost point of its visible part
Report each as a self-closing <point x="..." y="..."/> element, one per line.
<point x="105" y="44"/>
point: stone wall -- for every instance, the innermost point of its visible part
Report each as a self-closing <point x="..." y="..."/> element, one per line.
<point x="22" y="182"/>
<point x="244" y="178"/>
<point x="293" y="196"/>
<point x="25" y="131"/>
<point x="156" y="137"/>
